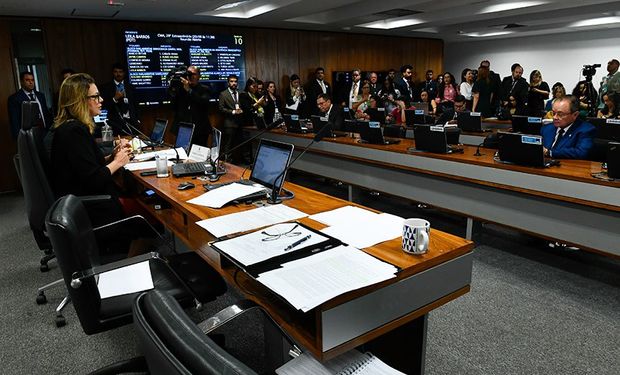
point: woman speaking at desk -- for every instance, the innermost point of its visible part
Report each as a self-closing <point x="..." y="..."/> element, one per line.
<point x="78" y="166"/>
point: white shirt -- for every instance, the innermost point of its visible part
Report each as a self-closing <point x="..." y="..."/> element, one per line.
<point x="466" y="90"/>
<point x="353" y="94"/>
<point x="36" y="99"/>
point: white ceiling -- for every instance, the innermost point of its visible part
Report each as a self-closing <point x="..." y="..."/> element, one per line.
<point x="449" y="20"/>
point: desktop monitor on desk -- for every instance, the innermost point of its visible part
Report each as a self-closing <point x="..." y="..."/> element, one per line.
<point x="430" y="138"/>
<point x="293" y="124"/>
<point x="522" y="149"/>
<point x="417" y="116"/>
<point x="376" y="114"/>
<point x="184" y="136"/>
<point x="371" y="132"/>
<point x="607" y="130"/>
<point x="526" y="124"/>
<point x="613" y="160"/>
<point x="469" y="122"/>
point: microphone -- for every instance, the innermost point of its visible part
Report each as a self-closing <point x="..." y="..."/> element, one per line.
<point x="213" y="177"/>
<point x="274" y="197"/>
<point x="478" y="150"/>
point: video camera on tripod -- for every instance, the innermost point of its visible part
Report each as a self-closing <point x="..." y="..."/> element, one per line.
<point x="174" y="79"/>
<point x="589" y="71"/>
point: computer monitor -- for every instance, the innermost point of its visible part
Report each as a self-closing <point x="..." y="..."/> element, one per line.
<point x="521" y="149"/>
<point x="293" y="124"/>
<point x="159" y="129"/>
<point x="376" y="114"/>
<point x="607" y="130"/>
<point x="469" y="121"/>
<point x="184" y="136"/>
<point x="101" y="117"/>
<point x="417" y="116"/>
<point x="526" y="124"/>
<point x="318" y="123"/>
<point x="271" y="160"/>
<point x="613" y="160"/>
<point x="430" y="138"/>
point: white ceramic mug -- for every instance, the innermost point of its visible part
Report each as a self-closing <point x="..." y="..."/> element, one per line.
<point x="416" y="234"/>
<point x="161" y="163"/>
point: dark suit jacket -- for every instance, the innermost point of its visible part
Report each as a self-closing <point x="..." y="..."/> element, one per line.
<point x="405" y="95"/>
<point x="226" y="105"/>
<point x="430" y="87"/>
<point x="15" y="110"/>
<point x="313" y="90"/>
<point x="336" y="118"/>
<point x="576" y="143"/>
<point x="519" y="91"/>
<point x="116" y="110"/>
<point x="193" y="107"/>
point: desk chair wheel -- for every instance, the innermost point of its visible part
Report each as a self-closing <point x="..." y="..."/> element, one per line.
<point x="60" y="321"/>
<point x="41" y="299"/>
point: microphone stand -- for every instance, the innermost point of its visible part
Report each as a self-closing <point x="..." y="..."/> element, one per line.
<point x="274" y="197"/>
<point x="213" y="177"/>
<point x="478" y="150"/>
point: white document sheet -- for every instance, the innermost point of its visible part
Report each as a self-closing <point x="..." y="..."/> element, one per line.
<point x="351" y="362"/>
<point x="251" y="219"/>
<point x="126" y="280"/>
<point x="308" y="282"/>
<point x="343" y="214"/>
<point x="364" y="233"/>
<point x="250" y="248"/>
<point x="138" y="166"/>
<point x="169" y="153"/>
<point x="217" y="198"/>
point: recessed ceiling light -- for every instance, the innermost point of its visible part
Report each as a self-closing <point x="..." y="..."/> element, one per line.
<point x="483" y="35"/>
<point x="596" y="21"/>
<point x="247" y="8"/>
<point x="510" y="6"/>
<point x="232" y="5"/>
<point x="391" y="23"/>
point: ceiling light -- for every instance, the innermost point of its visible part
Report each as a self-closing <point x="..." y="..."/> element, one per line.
<point x="510" y="6"/>
<point x="596" y="21"/>
<point x="483" y="35"/>
<point x="247" y="8"/>
<point x="391" y="23"/>
<point x="232" y="5"/>
<point x="433" y="30"/>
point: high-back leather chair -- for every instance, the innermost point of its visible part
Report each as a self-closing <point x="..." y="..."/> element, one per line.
<point x="38" y="193"/>
<point x="173" y="344"/>
<point x="185" y="276"/>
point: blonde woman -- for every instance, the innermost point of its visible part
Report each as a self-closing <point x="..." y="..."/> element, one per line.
<point x="539" y="92"/>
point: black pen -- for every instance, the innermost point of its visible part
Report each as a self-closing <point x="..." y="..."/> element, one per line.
<point x="298" y="242"/>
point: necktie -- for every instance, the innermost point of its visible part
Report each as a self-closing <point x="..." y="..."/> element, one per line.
<point x="557" y="139"/>
<point x="32" y="98"/>
<point x="323" y="87"/>
<point x="355" y="89"/>
<point x="235" y="96"/>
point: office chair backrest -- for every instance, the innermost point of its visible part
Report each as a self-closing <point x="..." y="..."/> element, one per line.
<point x="173" y="344"/>
<point x="70" y="231"/>
<point x="38" y="193"/>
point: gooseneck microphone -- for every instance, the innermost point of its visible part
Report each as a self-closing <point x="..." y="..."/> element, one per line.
<point x="213" y="177"/>
<point x="478" y="150"/>
<point x="274" y="196"/>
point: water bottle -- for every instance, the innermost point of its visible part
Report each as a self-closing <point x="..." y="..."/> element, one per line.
<point x="106" y="133"/>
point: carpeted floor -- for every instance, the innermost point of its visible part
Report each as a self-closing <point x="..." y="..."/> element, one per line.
<point x="531" y="310"/>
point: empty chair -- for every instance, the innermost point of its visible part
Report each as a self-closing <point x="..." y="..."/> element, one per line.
<point x="187" y="277"/>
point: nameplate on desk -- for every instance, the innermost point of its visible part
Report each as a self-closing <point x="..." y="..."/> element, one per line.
<point x="374" y="124"/>
<point x="474" y="114"/>
<point x="437" y="129"/>
<point x="380" y="109"/>
<point x="295" y="117"/>
<point x="613" y="121"/>
<point x="531" y="140"/>
<point x="419" y="112"/>
<point x="534" y="120"/>
<point x="199" y="153"/>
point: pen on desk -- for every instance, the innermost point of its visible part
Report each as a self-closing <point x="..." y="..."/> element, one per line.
<point x="298" y="242"/>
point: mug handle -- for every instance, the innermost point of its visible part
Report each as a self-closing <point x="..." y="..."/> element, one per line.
<point x="424" y="243"/>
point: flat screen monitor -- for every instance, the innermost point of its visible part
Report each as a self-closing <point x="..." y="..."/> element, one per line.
<point x="159" y="129"/>
<point x="521" y="149"/>
<point x="271" y="160"/>
<point x="184" y="136"/>
<point x="526" y="124"/>
<point x="152" y="56"/>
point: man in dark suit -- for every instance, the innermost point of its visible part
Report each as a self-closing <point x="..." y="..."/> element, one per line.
<point x="429" y="85"/>
<point x="191" y="105"/>
<point x="316" y="87"/>
<point x="335" y="117"/>
<point x="496" y="82"/>
<point x="373" y="79"/>
<point x="514" y="85"/>
<point x="25" y="94"/>
<point x="118" y="100"/>
<point x="233" y="115"/>
<point x="353" y="90"/>
<point x="568" y="137"/>
<point x="404" y="84"/>
<point x="449" y="115"/>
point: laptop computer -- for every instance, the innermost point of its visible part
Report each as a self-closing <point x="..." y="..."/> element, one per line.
<point x="101" y="118"/>
<point x="376" y="114"/>
<point x="371" y="132"/>
<point x="159" y="129"/>
<point x="271" y="159"/>
<point x="293" y="125"/>
<point x="432" y="138"/>
<point x="613" y="160"/>
<point x="184" y="136"/>
<point x="522" y="149"/>
<point x="526" y="124"/>
<point x="470" y="122"/>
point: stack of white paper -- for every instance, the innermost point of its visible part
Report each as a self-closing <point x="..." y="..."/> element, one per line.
<point x="126" y="280"/>
<point x="359" y="227"/>
<point x="170" y="153"/>
<point x="251" y="219"/>
<point x="308" y="282"/>
<point x="276" y="240"/>
<point x="140" y="165"/>
<point x="352" y="362"/>
<point x="217" y="198"/>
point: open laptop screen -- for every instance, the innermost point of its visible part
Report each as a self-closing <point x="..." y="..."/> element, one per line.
<point x="157" y="135"/>
<point x="184" y="137"/>
<point x="271" y="160"/>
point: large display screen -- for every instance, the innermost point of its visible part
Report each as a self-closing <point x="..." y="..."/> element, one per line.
<point x="152" y="56"/>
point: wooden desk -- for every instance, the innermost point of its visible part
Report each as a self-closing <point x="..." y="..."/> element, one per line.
<point x="424" y="283"/>
<point x="563" y="203"/>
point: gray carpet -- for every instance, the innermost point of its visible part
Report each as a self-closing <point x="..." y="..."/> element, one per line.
<point x="532" y="309"/>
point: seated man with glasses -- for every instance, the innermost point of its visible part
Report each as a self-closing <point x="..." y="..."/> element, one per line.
<point x="449" y="115"/>
<point x="568" y="137"/>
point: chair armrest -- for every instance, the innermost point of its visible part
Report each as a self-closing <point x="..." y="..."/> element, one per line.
<point x="91" y="199"/>
<point x="108" y="230"/>
<point x="77" y="277"/>
<point x="234" y="311"/>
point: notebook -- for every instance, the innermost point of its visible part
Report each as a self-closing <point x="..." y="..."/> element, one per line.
<point x="522" y="149"/>
<point x="184" y="136"/>
<point x="159" y="129"/>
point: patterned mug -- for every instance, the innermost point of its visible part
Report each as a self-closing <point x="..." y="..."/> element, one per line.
<point x="416" y="234"/>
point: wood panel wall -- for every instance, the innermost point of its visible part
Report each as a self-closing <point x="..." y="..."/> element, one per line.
<point x="271" y="54"/>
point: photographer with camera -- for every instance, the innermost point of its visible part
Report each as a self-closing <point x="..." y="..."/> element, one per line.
<point x="190" y="101"/>
<point x="610" y="83"/>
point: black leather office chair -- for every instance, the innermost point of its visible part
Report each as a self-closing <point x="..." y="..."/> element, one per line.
<point x="185" y="276"/>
